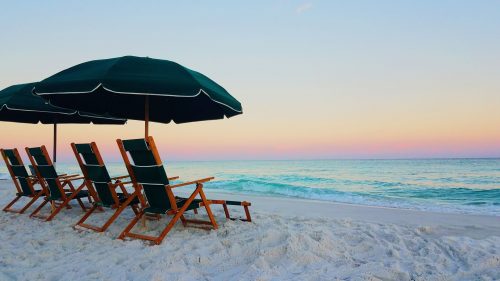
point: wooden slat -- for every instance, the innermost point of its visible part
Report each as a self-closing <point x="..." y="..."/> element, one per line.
<point x="93" y="227"/>
<point x="141" y="236"/>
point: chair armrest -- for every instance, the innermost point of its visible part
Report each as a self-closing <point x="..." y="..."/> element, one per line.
<point x="122" y="187"/>
<point x="192" y="182"/>
<point x="173" y="178"/>
<point x="121" y="182"/>
<point x="120" y="177"/>
<point x="33" y="179"/>
<point x="72" y="178"/>
<point x="65" y="176"/>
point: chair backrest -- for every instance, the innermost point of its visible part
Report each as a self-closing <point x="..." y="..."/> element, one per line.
<point x="146" y="169"/>
<point x="95" y="172"/>
<point x="45" y="170"/>
<point x="18" y="171"/>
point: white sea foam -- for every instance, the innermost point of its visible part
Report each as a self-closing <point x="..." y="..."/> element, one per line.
<point x="468" y="186"/>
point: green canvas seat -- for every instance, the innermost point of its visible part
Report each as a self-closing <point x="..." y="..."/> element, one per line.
<point x="60" y="189"/>
<point x="153" y="180"/>
<point x="162" y="210"/>
<point x="23" y="181"/>
<point x="80" y="194"/>
<point x="122" y="198"/>
<point x="103" y="186"/>
<point x="51" y="178"/>
<point x="28" y="194"/>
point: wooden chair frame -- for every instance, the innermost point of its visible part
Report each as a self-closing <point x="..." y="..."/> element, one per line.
<point x="118" y="207"/>
<point x="224" y="204"/>
<point x="31" y="181"/>
<point x="178" y="213"/>
<point x="62" y="181"/>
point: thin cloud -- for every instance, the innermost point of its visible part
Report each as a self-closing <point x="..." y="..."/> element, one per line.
<point x="303" y="7"/>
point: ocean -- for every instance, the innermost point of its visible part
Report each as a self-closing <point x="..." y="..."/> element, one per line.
<point x="445" y="185"/>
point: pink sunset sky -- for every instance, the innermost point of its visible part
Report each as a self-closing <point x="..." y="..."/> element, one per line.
<point x="317" y="79"/>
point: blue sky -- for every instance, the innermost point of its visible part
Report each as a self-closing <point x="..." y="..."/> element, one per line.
<point x="317" y="79"/>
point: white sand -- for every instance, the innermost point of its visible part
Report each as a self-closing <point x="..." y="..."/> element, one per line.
<point x="288" y="240"/>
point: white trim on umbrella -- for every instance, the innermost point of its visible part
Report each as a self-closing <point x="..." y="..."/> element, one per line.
<point x="33" y="110"/>
<point x="141" y="94"/>
<point x="64" y="113"/>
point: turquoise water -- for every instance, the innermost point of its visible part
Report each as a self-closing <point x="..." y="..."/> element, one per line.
<point x="450" y="185"/>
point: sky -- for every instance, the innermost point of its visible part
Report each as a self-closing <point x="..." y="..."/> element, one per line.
<point x="317" y="79"/>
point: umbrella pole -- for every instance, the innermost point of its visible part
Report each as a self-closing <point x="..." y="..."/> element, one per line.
<point x="146" y="117"/>
<point x="54" y="152"/>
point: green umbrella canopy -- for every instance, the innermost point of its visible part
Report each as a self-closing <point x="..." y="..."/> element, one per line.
<point x="18" y="104"/>
<point x="139" y="88"/>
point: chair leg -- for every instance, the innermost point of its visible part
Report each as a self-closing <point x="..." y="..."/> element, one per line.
<point x="207" y="207"/>
<point x="57" y="209"/>
<point x="7" y="208"/>
<point x="247" y="212"/>
<point x="113" y="217"/>
<point x="86" y="216"/>
<point x="131" y="225"/>
<point x="226" y="211"/>
<point x="143" y="222"/>
<point x="171" y="224"/>
<point x="244" y="204"/>
<point x="118" y="211"/>
<point x="179" y="214"/>
<point x="35" y="212"/>
<point x="135" y="209"/>
<point x="183" y="220"/>
<point x="65" y="203"/>
<point x="81" y="204"/>
<point x="181" y="211"/>
<point x="36" y="197"/>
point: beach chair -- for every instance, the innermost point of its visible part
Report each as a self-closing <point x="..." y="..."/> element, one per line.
<point x="23" y="182"/>
<point x="55" y="184"/>
<point x="98" y="180"/>
<point x="148" y="174"/>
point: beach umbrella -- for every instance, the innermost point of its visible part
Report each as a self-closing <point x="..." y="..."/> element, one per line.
<point x="18" y="104"/>
<point x="139" y="88"/>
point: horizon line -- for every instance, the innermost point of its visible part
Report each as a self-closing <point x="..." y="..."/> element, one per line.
<point x="326" y="159"/>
